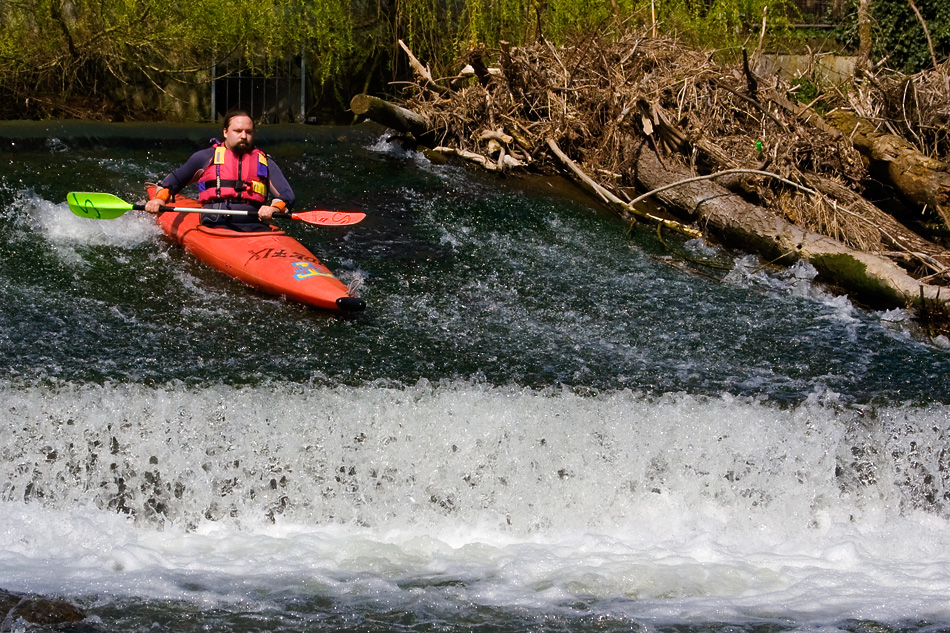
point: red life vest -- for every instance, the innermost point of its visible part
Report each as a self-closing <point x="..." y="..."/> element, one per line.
<point x="236" y="178"/>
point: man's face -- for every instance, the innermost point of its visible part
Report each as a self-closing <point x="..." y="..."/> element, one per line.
<point x="239" y="135"/>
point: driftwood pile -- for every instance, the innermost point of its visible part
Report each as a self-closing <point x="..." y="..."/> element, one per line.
<point x="723" y="152"/>
<point x="915" y="107"/>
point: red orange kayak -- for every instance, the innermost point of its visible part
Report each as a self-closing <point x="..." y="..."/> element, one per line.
<point x="272" y="262"/>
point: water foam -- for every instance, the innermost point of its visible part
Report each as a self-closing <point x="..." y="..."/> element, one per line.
<point x="521" y="497"/>
<point x="69" y="234"/>
<point x="458" y="449"/>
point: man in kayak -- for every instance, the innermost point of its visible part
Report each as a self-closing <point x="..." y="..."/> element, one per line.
<point x="231" y="175"/>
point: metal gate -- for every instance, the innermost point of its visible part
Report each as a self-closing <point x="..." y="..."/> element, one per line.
<point x="820" y="13"/>
<point x="277" y="95"/>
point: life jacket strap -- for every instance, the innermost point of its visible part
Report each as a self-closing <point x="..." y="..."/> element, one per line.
<point x="237" y="185"/>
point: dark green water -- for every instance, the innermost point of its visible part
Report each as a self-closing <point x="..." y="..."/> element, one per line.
<point x="466" y="277"/>
<point x="540" y="422"/>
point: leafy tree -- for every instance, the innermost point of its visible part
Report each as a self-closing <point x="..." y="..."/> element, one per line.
<point x="120" y="54"/>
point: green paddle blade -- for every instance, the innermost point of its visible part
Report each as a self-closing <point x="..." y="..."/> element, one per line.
<point x="100" y="206"/>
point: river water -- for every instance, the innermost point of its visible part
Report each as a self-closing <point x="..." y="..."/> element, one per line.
<point x="542" y="422"/>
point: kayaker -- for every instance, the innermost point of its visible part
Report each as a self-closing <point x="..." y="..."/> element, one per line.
<point x="231" y="175"/>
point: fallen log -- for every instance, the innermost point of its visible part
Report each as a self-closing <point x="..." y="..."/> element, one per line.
<point x="391" y="116"/>
<point x="408" y="122"/>
<point x="873" y="279"/>
<point x="921" y="179"/>
<point x="626" y="211"/>
<point x="504" y="162"/>
<point x="895" y="234"/>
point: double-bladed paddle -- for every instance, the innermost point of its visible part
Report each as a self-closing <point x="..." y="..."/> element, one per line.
<point x="105" y="206"/>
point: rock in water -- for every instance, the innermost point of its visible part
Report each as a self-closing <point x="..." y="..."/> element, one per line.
<point x="36" y="610"/>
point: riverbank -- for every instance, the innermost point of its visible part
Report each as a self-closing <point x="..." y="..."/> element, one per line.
<point x="732" y="156"/>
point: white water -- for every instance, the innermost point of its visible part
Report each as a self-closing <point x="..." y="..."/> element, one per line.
<point x="668" y="508"/>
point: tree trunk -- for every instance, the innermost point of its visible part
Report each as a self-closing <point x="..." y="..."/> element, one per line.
<point x="921" y="179"/>
<point x="737" y="223"/>
<point x="894" y="233"/>
<point x="390" y="115"/>
<point x="864" y="34"/>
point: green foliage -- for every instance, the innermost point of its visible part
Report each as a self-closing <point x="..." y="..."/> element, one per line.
<point x="326" y="32"/>
<point x="900" y="38"/>
<point x="719" y="25"/>
<point x="805" y="90"/>
<point x="104" y="48"/>
<point x="488" y="21"/>
<point x="565" y="18"/>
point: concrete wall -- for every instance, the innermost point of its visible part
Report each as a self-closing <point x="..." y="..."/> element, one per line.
<point x="833" y="69"/>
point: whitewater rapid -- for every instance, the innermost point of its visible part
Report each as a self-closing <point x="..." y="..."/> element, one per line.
<point x="666" y="508"/>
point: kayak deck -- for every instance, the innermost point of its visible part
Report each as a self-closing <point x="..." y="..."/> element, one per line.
<point x="270" y="261"/>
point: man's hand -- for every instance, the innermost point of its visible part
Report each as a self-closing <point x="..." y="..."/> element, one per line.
<point x="266" y="213"/>
<point x="154" y="205"/>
